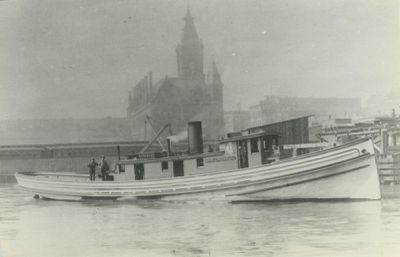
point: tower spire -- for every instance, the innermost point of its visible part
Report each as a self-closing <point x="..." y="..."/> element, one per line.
<point x="190" y="50"/>
<point x="188" y="14"/>
<point x="189" y="29"/>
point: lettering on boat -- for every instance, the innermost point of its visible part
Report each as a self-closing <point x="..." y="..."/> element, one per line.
<point x="221" y="159"/>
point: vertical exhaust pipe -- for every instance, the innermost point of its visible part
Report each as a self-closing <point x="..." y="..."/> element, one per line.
<point x="119" y="152"/>
<point x="150" y="76"/>
<point x="169" y="147"/>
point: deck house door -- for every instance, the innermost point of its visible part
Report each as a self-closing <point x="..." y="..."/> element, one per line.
<point x="243" y="159"/>
<point x="139" y="171"/>
<point x="178" y="168"/>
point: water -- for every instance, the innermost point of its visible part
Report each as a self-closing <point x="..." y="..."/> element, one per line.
<point x="30" y="227"/>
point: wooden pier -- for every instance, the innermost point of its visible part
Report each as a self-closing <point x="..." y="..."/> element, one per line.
<point x="389" y="169"/>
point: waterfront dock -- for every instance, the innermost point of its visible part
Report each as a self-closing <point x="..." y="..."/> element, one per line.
<point x="389" y="169"/>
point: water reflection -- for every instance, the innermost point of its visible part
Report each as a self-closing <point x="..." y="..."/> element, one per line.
<point x="30" y="227"/>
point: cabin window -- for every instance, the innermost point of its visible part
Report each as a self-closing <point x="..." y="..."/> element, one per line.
<point x="200" y="162"/>
<point x="254" y="145"/>
<point x="164" y="166"/>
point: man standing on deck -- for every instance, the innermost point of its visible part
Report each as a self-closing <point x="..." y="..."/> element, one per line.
<point x="104" y="168"/>
<point x="92" y="169"/>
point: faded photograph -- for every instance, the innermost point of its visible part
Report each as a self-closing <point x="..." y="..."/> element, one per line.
<point x="199" y="128"/>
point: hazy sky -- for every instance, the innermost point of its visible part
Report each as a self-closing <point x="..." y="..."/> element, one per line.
<point x="79" y="58"/>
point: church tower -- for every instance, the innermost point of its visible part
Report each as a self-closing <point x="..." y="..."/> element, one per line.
<point x="190" y="51"/>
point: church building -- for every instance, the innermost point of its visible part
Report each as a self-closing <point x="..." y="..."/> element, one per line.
<point x="191" y="96"/>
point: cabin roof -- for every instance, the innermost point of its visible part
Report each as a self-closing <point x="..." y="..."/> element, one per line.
<point x="172" y="158"/>
<point x="250" y="136"/>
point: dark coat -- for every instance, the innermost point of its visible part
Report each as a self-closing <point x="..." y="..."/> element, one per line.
<point x="92" y="166"/>
<point x="104" y="167"/>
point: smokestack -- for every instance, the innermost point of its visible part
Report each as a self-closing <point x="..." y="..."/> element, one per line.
<point x="151" y="84"/>
<point x="169" y="146"/>
<point x="135" y="98"/>
<point x="142" y="95"/>
<point x="195" y="137"/>
<point x="130" y="100"/>
<point x="137" y="93"/>
<point x="146" y="88"/>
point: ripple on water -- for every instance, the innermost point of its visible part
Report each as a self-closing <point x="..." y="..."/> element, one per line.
<point x="196" y="228"/>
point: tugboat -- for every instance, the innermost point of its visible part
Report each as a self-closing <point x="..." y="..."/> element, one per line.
<point x="243" y="168"/>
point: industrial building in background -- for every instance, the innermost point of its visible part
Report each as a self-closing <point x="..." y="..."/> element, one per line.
<point x="276" y="108"/>
<point x="190" y="96"/>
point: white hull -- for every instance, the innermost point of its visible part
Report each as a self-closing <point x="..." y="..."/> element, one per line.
<point x="347" y="172"/>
